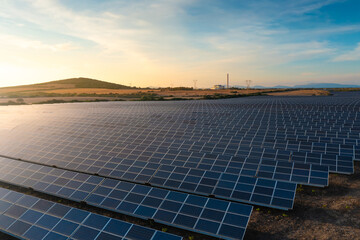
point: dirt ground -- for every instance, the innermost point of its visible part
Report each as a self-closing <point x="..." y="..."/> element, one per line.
<point x="33" y="100"/>
<point x="167" y="94"/>
<point x="310" y="92"/>
<point x="37" y="88"/>
<point x="319" y="213"/>
<point x="180" y="93"/>
<point x="175" y="93"/>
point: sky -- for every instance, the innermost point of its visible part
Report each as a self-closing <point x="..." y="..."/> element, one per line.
<point x="164" y="43"/>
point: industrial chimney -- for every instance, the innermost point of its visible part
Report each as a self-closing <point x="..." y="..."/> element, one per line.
<point x="227" y="81"/>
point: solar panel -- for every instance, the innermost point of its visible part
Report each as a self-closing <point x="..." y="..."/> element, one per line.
<point x="251" y="150"/>
<point x="166" y="156"/>
<point x="136" y="128"/>
<point x="57" y="153"/>
<point x="223" y="185"/>
<point x="307" y="174"/>
<point x="30" y="218"/>
<point x="172" y="208"/>
<point x="264" y="192"/>
<point x="101" y="152"/>
<point x="201" y="214"/>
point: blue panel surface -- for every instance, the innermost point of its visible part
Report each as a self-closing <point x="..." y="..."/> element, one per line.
<point x="63" y="222"/>
<point x="168" y="207"/>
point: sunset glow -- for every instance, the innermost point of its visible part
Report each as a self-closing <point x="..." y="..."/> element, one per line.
<point x="171" y="43"/>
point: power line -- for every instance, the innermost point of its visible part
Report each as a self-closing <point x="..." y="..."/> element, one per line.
<point x="248" y="83"/>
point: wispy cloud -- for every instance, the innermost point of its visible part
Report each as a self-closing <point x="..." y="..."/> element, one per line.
<point x="180" y="36"/>
<point x="308" y="74"/>
<point x="26" y="43"/>
<point x="151" y="32"/>
<point x="353" y="55"/>
<point x="332" y="78"/>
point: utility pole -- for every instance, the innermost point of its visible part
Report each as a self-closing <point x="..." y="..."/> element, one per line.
<point x="195" y="81"/>
<point x="248" y="83"/>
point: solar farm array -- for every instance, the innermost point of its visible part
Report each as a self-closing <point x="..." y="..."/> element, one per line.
<point x="194" y="165"/>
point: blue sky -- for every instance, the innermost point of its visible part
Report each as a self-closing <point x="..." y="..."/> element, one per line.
<point x="172" y="42"/>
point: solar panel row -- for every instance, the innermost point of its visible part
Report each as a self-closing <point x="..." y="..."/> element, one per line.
<point x="195" y="213"/>
<point x="251" y="150"/>
<point x="33" y="218"/>
<point x="232" y="186"/>
<point x="26" y="151"/>
<point x="208" y="109"/>
<point x="276" y="140"/>
<point x="309" y="174"/>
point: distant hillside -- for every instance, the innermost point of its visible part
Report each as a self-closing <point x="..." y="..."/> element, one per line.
<point x="312" y="85"/>
<point x="280" y="86"/>
<point x="327" y="85"/>
<point x="258" y="87"/>
<point x="82" y="83"/>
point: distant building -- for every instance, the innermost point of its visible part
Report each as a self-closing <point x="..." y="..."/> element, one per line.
<point x="218" y="87"/>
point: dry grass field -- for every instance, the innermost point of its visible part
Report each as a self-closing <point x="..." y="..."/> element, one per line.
<point x="33" y="100"/>
<point x="35" y="88"/>
<point x="84" y="89"/>
<point x="310" y="92"/>
<point x="161" y="92"/>
<point x="31" y="96"/>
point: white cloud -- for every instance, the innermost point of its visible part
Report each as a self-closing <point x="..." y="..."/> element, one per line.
<point x="137" y="31"/>
<point x="156" y="32"/>
<point x="25" y="43"/>
<point x="353" y="55"/>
